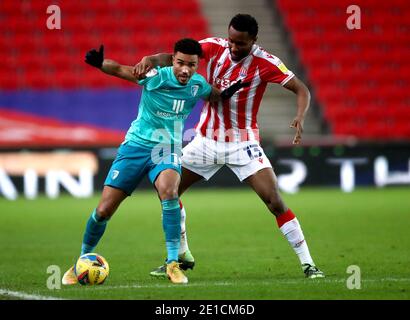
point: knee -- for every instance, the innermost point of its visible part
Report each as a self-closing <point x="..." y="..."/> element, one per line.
<point x="166" y="191"/>
<point x="105" y="210"/>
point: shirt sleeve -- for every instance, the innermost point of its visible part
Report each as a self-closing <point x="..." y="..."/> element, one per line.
<point x="274" y="70"/>
<point x="210" y="47"/>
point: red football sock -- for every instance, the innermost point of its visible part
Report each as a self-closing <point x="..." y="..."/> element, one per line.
<point x="285" y="217"/>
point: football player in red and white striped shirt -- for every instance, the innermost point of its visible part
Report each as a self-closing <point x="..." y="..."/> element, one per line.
<point x="228" y="134"/>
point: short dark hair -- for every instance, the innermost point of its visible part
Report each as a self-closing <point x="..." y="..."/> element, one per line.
<point x="245" y="23"/>
<point x="188" y="46"/>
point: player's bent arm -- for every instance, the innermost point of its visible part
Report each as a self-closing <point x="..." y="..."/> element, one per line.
<point x="149" y="62"/>
<point x="303" y="95"/>
<point x="303" y="102"/>
<point x="113" y="68"/>
<point x="160" y="59"/>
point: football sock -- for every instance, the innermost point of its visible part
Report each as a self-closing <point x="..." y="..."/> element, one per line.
<point x="290" y="227"/>
<point x="184" y="240"/>
<point x="93" y="232"/>
<point x="171" y="223"/>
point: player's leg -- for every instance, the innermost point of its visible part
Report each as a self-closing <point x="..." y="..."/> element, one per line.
<point x="188" y="178"/>
<point x="185" y="257"/>
<point x="111" y="198"/>
<point x="197" y="164"/>
<point x="264" y="183"/>
<point x="167" y="188"/>
<point x="167" y="184"/>
<point x="126" y="172"/>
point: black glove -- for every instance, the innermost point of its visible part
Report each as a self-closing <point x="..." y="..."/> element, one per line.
<point x="228" y="92"/>
<point x="95" y="58"/>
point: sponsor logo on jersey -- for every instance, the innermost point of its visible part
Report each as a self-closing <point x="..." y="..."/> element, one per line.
<point x="178" y="105"/>
<point x="167" y="115"/>
<point x="224" y="83"/>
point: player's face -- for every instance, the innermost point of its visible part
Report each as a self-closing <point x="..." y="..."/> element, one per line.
<point x="240" y="43"/>
<point x="184" y="66"/>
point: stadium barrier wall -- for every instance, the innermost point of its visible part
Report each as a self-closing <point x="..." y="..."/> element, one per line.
<point x="81" y="172"/>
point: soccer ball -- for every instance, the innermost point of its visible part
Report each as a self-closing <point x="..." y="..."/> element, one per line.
<point x="91" y="268"/>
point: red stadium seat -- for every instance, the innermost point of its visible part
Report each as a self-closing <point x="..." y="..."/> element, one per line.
<point x="360" y="77"/>
<point x="132" y="30"/>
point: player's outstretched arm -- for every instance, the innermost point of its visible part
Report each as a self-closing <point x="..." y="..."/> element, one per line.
<point x="149" y="62"/>
<point x="113" y="68"/>
<point x="303" y="102"/>
<point x="96" y="59"/>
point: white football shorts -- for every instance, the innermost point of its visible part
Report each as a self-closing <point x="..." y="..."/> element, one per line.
<point x="206" y="156"/>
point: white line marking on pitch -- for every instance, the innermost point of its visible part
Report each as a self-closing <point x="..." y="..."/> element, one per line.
<point x="168" y="285"/>
<point x="25" y="296"/>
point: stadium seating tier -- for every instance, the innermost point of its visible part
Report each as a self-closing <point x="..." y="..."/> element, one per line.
<point x="360" y="77"/>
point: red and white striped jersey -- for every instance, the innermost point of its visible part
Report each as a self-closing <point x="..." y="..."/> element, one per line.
<point x="235" y="119"/>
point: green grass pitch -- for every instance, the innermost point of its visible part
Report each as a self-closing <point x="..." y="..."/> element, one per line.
<point x="239" y="251"/>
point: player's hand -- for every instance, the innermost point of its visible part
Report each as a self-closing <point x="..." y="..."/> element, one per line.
<point x="95" y="58"/>
<point x="229" y="92"/>
<point x="142" y="67"/>
<point x="297" y="123"/>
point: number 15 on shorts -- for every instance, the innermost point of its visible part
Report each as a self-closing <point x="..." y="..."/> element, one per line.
<point x="253" y="151"/>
